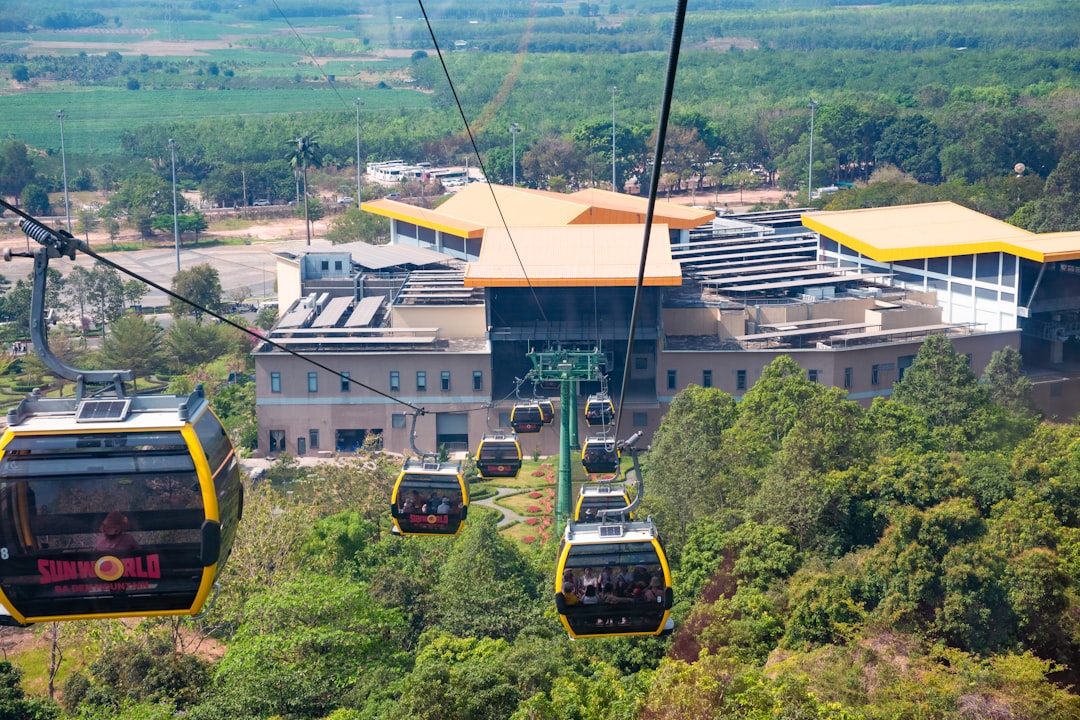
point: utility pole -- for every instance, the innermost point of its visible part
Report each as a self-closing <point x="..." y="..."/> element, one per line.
<point x="810" y="170"/>
<point x="514" y="130"/>
<point x="63" y="161"/>
<point x="175" y="221"/>
<point x="359" y="185"/>
<point x="614" y="187"/>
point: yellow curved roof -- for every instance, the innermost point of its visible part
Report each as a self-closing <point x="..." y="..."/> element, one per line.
<point x="480" y="205"/>
<point x="576" y="256"/>
<point x="912" y="232"/>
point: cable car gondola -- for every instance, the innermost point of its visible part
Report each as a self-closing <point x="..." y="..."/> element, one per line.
<point x="594" y="498"/>
<point x="547" y="411"/>
<point x="600" y="455"/>
<point x="599" y="410"/>
<point x="429" y="498"/>
<point x="498" y="456"/>
<point x="110" y="506"/>
<point x="526" y="417"/>
<point x="118" y="507"/>
<point x="638" y="598"/>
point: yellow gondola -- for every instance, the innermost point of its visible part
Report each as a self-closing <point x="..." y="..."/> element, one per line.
<point x="526" y="418"/>
<point x="594" y="498"/>
<point x="498" y="456"/>
<point x="600" y="455"/>
<point x="547" y="411"/>
<point x="118" y="507"/>
<point x="430" y="498"/>
<point x="613" y="579"/>
<point x="599" y="410"/>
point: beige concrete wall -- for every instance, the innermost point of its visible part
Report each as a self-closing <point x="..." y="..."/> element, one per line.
<point x="690" y="321"/>
<point x="296" y="411"/>
<point x="459" y="321"/>
<point x="904" y="316"/>
<point x="288" y="282"/>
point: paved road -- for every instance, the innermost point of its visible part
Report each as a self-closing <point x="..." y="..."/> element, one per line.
<point x="509" y="517"/>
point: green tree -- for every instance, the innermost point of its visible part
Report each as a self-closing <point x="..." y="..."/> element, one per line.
<point x="14" y="705"/>
<point x="105" y="294"/>
<point x="133" y="343"/>
<point x="193" y="344"/>
<point x="485" y="588"/>
<point x="356" y="225"/>
<point x="1058" y="209"/>
<point x="88" y="222"/>
<point x="1006" y="382"/>
<point x="199" y="284"/>
<point x="17" y="172"/>
<point x="684" y="471"/>
<point x="302" y="646"/>
<point x="35" y="200"/>
<point x="305" y="153"/>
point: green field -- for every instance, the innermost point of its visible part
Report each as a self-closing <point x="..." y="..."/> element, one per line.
<point x="95" y="118"/>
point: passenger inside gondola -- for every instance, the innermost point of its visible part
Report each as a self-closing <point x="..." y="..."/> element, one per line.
<point x="114" y="537"/>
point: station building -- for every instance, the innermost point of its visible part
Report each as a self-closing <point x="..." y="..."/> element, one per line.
<point x="444" y="317"/>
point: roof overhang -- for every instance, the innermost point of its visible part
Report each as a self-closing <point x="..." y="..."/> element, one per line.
<point x="914" y="232"/>
<point x="574" y="256"/>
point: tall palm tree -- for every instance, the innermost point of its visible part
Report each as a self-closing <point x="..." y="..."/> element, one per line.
<point x="304" y="153"/>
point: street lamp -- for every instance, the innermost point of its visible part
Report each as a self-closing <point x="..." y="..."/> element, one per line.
<point x="514" y="130"/>
<point x="613" y="186"/>
<point x="359" y="187"/>
<point x="810" y="170"/>
<point x="175" y="221"/>
<point x="63" y="161"/>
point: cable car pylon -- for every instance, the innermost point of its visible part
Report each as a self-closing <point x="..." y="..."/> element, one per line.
<point x="568" y="368"/>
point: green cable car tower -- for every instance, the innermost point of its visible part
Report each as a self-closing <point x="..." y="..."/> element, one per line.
<point x="568" y="368"/>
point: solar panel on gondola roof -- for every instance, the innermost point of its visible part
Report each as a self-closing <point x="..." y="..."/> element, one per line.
<point x="102" y="410"/>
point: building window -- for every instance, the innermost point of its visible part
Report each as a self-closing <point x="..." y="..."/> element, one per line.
<point x="444" y="380"/>
<point x="706" y="378"/>
<point x="421" y="381"/>
<point x="346" y="384"/>
<point x="313" y="382"/>
<point x="740" y="379"/>
<point x="324" y="265"/>
<point x="275" y="382"/>
<point x="672" y="379"/>
<point x="397" y="420"/>
<point x="875" y="374"/>
<point x="395" y="381"/>
<point x="277" y="441"/>
<point x="641" y="419"/>
<point x="313" y="438"/>
<point x="847" y="378"/>
<point x="641" y="363"/>
<point x="337" y="265"/>
<point x="902" y="364"/>
<point x="477" y="380"/>
<point x="811" y="375"/>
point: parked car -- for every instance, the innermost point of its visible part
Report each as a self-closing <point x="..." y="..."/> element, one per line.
<point x="393" y="196"/>
<point x="345" y="200"/>
<point x="261" y="202"/>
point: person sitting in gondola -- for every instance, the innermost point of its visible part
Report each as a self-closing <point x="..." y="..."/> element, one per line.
<point x="569" y="596"/>
<point x="444" y="507"/>
<point x="591" y="596"/>
<point x="588" y="579"/>
<point x="114" y="537"/>
<point x="409" y="506"/>
<point x="655" y="592"/>
<point x="590" y="515"/>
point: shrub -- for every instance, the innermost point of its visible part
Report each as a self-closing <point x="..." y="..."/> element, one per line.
<point x="533" y="509"/>
<point x="534" y="494"/>
<point x="532" y="521"/>
<point x="528" y="539"/>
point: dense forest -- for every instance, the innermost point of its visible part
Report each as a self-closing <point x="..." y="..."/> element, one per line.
<point x="918" y="558"/>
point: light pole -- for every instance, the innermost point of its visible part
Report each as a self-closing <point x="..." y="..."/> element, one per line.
<point x="514" y="130"/>
<point x="614" y="188"/>
<point x="175" y="220"/>
<point x="63" y="161"/>
<point x="359" y="186"/>
<point x="810" y="170"/>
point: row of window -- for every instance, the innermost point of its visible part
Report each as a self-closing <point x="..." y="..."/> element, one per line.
<point x="876" y="371"/>
<point x="395" y="381"/>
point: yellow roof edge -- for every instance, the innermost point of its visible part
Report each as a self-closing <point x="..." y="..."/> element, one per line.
<point x="569" y="282"/>
<point x="921" y="251"/>
<point x="470" y="230"/>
